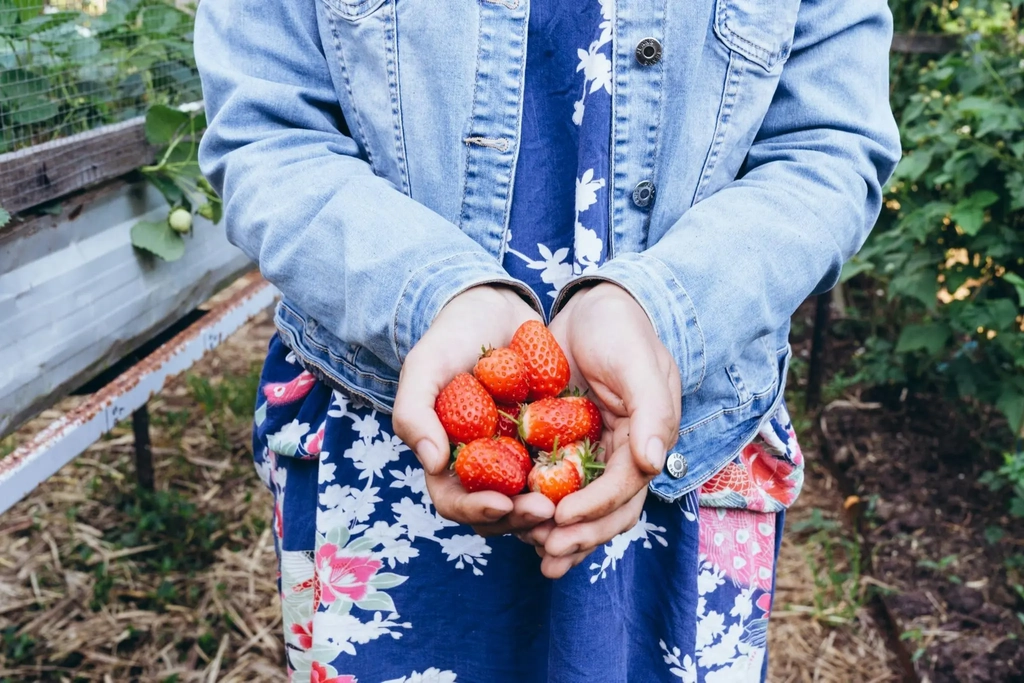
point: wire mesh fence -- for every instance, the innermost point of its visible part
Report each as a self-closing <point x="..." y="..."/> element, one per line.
<point x="72" y="66"/>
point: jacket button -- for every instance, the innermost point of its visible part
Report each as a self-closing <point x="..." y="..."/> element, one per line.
<point x="648" y="51"/>
<point x="643" y="194"/>
<point x="677" y="466"/>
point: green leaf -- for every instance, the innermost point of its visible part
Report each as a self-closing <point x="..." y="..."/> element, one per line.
<point x="159" y="239"/>
<point x="1018" y="282"/>
<point x="387" y="580"/>
<point x="5" y="217"/>
<point x="913" y="166"/>
<point x="160" y="19"/>
<point x="362" y="543"/>
<point x="168" y="188"/>
<point x="28" y="8"/>
<point x="931" y="338"/>
<point x="1011" y="404"/>
<point x="24" y="97"/>
<point x="855" y="267"/>
<point x="377" y="602"/>
<point x="162" y="123"/>
<point x="969" y="213"/>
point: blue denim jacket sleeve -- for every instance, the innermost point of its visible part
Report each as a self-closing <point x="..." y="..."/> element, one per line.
<point x="736" y="265"/>
<point x="370" y="264"/>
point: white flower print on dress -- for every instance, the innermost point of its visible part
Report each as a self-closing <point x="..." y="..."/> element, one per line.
<point x="615" y="549"/>
<point x="595" y="65"/>
<point x="555" y="266"/>
<point x="286" y="441"/>
<point x="466" y="549"/>
<point x="684" y="668"/>
<point x="431" y="675"/>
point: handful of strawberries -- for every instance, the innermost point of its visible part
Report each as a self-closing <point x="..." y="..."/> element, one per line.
<point x="516" y="398"/>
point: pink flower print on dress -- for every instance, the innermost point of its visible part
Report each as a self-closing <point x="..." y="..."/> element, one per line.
<point x="764" y="603"/>
<point x="305" y="634"/>
<point x="326" y="674"/>
<point x="279" y="393"/>
<point x="740" y="543"/>
<point x="314" y="442"/>
<point x="770" y="475"/>
<point x="343" y="575"/>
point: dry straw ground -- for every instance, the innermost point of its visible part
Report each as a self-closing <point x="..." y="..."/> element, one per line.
<point x="99" y="584"/>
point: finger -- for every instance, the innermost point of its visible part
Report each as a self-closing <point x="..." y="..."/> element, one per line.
<point x="528" y="511"/>
<point x="613" y="489"/>
<point x="455" y="503"/>
<point x="584" y="537"/>
<point x="414" y="419"/>
<point x="653" y="415"/>
<point x="537" y="535"/>
<point x="557" y="567"/>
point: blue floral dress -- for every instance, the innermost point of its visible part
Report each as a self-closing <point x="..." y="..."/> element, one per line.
<point x="376" y="587"/>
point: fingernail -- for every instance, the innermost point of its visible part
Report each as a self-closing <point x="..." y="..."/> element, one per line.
<point x="656" y="453"/>
<point x="426" y="451"/>
<point x="494" y="514"/>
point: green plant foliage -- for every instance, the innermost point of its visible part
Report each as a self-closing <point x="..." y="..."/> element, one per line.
<point x="177" y="176"/>
<point x="65" y="72"/>
<point x="941" y="279"/>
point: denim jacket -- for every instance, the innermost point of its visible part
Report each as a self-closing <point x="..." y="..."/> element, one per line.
<point x="366" y="150"/>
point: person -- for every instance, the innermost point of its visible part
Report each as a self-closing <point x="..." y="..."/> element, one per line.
<point x="663" y="183"/>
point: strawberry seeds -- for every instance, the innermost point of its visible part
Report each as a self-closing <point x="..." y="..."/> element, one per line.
<point x="516" y="398"/>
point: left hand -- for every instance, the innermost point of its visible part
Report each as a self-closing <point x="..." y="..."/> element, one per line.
<point x="612" y="348"/>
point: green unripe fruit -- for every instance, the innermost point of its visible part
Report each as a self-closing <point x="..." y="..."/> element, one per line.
<point x="180" y="220"/>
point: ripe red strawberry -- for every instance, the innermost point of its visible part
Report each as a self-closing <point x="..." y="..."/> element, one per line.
<point x="553" y="419"/>
<point x="507" y="425"/>
<point x="466" y="410"/>
<point x="503" y="374"/>
<point x="547" y="368"/>
<point x="593" y="417"/>
<point x="489" y="465"/>
<point x="519" y="451"/>
<point x="564" y="471"/>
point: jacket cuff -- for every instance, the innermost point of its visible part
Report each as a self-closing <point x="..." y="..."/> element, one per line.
<point x="430" y="287"/>
<point x="663" y="298"/>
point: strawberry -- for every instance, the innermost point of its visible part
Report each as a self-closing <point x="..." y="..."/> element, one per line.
<point x="593" y="416"/>
<point x="466" y="410"/>
<point x="507" y="416"/>
<point x="548" y="420"/>
<point x="503" y="374"/>
<point x="489" y="465"/>
<point x="547" y="368"/>
<point x="564" y="471"/>
<point x="519" y="451"/>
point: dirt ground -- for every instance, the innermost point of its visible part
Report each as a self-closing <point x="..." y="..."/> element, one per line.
<point x="100" y="583"/>
<point x="948" y="555"/>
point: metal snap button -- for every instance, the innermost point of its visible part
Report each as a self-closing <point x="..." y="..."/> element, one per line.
<point x="677" y="466"/>
<point x="643" y="194"/>
<point x="648" y="51"/>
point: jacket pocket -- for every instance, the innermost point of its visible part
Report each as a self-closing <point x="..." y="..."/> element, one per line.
<point x="354" y="9"/>
<point x="760" y="30"/>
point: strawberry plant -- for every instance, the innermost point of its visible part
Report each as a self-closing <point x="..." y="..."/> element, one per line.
<point x="67" y="71"/>
<point x="177" y="176"/>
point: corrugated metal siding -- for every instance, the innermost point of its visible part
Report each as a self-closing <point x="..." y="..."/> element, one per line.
<point x="77" y="297"/>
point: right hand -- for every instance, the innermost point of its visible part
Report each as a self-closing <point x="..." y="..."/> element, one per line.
<point x="479" y="317"/>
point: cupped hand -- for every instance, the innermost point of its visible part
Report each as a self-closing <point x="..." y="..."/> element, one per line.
<point x="479" y="317"/>
<point x="614" y="350"/>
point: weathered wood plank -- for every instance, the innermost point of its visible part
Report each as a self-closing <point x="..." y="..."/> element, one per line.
<point x="76" y="297"/>
<point x="924" y="43"/>
<point x="42" y="173"/>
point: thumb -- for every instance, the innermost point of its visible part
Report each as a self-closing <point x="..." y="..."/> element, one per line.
<point x="653" y="424"/>
<point x="414" y="419"/>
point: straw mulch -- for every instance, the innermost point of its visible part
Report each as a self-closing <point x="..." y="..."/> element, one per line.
<point x="98" y="584"/>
